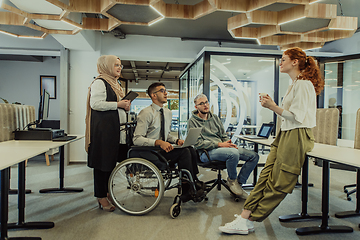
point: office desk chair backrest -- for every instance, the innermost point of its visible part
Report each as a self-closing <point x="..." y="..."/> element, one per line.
<point x="327" y="126"/>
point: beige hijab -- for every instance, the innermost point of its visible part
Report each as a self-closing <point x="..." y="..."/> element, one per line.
<point x="105" y="67"/>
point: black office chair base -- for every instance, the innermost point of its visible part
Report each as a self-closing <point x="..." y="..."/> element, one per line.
<point x="60" y="190"/>
<point x="329" y="229"/>
<point x="347" y="214"/>
<point x="248" y="186"/>
<point x="298" y="185"/>
<point x="15" y="191"/>
<point x="31" y="225"/>
<point x="299" y="216"/>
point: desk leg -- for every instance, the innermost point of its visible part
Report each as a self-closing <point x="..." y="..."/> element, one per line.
<point x="324" y="228"/>
<point x="357" y="210"/>
<point x="61" y="189"/>
<point x="15" y="191"/>
<point x="304" y="199"/>
<point x="252" y="185"/>
<point x="21" y="206"/>
<point x="4" y="207"/>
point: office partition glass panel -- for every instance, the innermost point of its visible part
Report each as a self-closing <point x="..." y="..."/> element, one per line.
<point x="235" y="84"/>
<point x="332" y="89"/>
<point x="196" y="82"/>
<point x="350" y="98"/>
<point x="183" y="108"/>
<point x="342" y="90"/>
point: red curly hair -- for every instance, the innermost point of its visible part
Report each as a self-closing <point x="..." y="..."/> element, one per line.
<point x="308" y="67"/>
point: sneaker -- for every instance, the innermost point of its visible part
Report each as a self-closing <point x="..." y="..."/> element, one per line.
<point x="238" y="226"/>
<point x="250" y="225"/>
<point x="244" y="195"/>
<point x="236" y="188"/>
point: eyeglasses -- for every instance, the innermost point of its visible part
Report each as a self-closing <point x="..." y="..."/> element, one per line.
<point x="203" y="103"/>
<point x="120" y="66"/>
<point x="163" y="90"/>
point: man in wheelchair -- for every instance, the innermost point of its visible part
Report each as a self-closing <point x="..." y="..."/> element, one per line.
<point x="153" y="129"/>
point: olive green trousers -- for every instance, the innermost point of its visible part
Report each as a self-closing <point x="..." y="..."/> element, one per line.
<point x="280" y="173"/>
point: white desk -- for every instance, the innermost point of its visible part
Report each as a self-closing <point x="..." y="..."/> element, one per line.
<point x="340" y="155"/>
<point x="326" y="153"/>
<point x="17" y="151"/>
<point x="48" y="145"/>
<point x="9" y="157"/>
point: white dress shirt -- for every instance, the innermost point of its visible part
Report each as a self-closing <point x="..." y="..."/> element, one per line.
<point x="148" y="126"/>
<point x="98" y="102"/>
<point x="299" y="106"/>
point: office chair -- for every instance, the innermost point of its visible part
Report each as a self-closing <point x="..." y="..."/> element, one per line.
<point x="216" y="166"/>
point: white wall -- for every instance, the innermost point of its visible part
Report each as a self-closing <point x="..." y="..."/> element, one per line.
<point x="20" y="82"/>
<point x="82" y="73"/>
<point x="8" y="43"/>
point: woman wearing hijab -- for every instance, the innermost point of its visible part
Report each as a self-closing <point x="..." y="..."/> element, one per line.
<point x="105" y="111"/>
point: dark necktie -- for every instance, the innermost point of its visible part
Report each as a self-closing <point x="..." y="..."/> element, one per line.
<point x="162" y="129"/>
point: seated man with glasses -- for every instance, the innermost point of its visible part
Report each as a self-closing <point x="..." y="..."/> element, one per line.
<point x="153" y="129"/>
<point x="213" y="138"/>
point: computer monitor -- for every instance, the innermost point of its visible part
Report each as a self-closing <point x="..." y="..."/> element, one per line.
<point x="44" y="106"/>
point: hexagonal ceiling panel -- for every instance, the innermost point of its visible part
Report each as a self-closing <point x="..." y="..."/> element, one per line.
<point x="250" y="21"/>
<point x="133" y="13"/>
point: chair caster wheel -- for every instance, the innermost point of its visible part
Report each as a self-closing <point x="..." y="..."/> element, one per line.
<point x="206" y="198"/>
<point x="345" y="191"/>
<point x="236" y="197"/>
<point x="175" y="210"/>
<point x="348" y="198"/>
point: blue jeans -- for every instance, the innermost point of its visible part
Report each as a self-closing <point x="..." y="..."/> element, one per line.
<point x="232" y="156"/>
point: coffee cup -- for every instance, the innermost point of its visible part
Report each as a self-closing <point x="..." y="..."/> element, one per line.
<point x="261" y="95"/>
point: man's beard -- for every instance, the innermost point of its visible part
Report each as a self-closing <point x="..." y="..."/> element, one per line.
<point x="204" y="112"/>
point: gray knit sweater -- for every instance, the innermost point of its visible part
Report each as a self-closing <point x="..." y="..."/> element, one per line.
<point x="213" y="131"/>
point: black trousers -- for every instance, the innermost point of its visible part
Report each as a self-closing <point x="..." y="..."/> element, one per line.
<point x="186" y="158"/>
<point x="101" y="180"/>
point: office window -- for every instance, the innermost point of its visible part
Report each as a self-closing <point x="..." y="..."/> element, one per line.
<point x="183" y="108"/>
<point x="342" y="90"/>
<point x="235" y="84"/>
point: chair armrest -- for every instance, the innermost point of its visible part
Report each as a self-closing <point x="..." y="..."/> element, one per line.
<point x="155" y="150"/>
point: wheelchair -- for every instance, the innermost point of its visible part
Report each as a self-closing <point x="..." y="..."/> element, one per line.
<point x="138" y="182"/>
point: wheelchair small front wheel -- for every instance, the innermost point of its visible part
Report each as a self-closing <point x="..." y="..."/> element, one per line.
<point x="136" y="186"/>
<point x="175" y="210"/>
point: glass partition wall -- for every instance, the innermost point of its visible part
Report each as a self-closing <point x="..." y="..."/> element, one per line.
<point x="235" y="84"/>
<point x="232" y="83"/>
<point x="191" y="84"/>
<point x="342" y="90"/>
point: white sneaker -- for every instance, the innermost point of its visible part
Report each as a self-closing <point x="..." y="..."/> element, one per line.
<point x="238" y="226"/>
<point x="250" y="225"/>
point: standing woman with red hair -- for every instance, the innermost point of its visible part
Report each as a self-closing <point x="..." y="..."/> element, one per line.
<point x="288" y="151"/>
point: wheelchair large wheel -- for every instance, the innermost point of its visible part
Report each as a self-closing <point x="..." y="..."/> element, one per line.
<point x="136" y="186"/>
